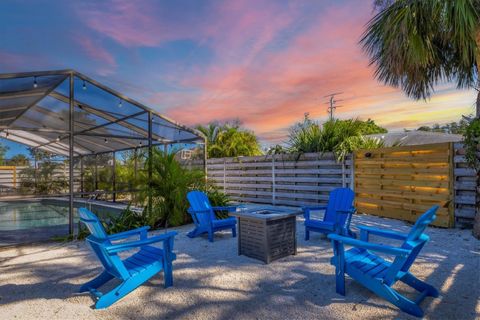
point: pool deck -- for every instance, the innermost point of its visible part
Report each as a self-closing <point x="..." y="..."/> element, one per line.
<point x="212" y="282"/>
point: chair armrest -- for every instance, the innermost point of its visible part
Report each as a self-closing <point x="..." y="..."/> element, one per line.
<point x="228" y="208"/>
<point x="366" y="231"/>
<point x="140" y="243"/>
<point x="369" y="246"/>
<point x="121" y="235"/>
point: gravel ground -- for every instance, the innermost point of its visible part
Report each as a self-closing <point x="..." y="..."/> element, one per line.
<point x="212" y="282"/>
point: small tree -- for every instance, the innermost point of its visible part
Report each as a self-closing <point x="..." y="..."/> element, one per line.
<point x="230" y="140"/>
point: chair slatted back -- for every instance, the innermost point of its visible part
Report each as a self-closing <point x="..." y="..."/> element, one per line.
<point x="98" y="240"/>
<point x="415" y="241"/>
<point x="340" y="199"/>
<point x="199" y="202"/>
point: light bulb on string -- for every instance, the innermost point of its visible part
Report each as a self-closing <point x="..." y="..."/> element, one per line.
<point x="35" y="84"/>
<point x="120" y="103"/>
<point x="106" y="141"/>
<point x="84" y="87"/>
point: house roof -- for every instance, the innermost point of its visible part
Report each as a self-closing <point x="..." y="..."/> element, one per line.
<point x="415" y="138"/>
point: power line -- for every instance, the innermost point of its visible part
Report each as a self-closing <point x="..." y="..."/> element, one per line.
<point x="332" y="103"/>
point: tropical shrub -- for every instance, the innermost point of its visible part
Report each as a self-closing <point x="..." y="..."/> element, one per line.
<point x="169" y="187"/>
<point x="45" y="178"/>
<point x="338" y="136"/>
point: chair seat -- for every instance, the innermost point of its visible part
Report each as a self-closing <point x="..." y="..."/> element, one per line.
<point x="366" y="262"/>
<point x="147" y="256"/>
<point x="228" y="222"/>
<point x="327" y="225"/>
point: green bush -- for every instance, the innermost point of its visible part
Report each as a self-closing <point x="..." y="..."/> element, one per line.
<point x="339" y="136"/>
<point x="472" y="141"/>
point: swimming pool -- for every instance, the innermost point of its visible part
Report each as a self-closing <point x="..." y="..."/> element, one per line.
<point x="34" y="220"/>
<point x="26" y="214"/>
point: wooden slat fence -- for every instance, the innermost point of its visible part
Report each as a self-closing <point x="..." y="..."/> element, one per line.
<point x="467" y="191"/>
<point x="280" y="179"/>
<point x="403" y="182"/>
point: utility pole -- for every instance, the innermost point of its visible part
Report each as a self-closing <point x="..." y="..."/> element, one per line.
<point x="332" y="103"/>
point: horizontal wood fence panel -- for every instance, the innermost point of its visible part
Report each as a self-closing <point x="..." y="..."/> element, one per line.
<point x="466" y="187"/>
<point x="408" y="179"/>
<point x="280" y="179"/>
<point x="403" y="182"/>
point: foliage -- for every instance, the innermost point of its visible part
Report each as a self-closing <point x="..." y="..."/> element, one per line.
<point x="45" y="178"/>
<point x="229" y="140"/>
<point x="452" y="127"/>
<point x="3" y="151"/>
<point x="126" y="220"/>
<point x="369" y="127"/>
<point x="472" y="141"/>
<point x="416" y="44"/>
<point x="277" y="149"/>
<point x="353" y="143"/>
<point x="338" y="136"/>
<point x="19" y="160"/>
<point x="169" y="187"/>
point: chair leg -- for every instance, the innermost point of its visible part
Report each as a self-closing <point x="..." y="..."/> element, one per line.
<point x="210" y="235"/>
<point x="168" y="275"/>
<point x="234" y="231"/>
<point x="307" y="234"/>
<point x="97" y="282"/>
<point x="419" y="285"/>
<point x="339" y="267"/>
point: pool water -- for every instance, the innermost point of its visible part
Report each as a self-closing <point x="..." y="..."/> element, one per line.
<point x="21" y="215"/>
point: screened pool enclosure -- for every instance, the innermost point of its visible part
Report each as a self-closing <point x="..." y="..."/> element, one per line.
<point x="86" y="130"/>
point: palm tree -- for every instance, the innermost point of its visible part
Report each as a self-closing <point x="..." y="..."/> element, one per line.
<point x="414" y="44"/>
<point x="229" y="140"/>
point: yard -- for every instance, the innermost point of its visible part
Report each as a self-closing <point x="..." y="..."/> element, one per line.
<point x="212" y="282"/>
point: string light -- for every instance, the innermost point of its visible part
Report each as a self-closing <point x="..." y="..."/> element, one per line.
<point x="35" y="84"/>
<point x="84" y="87"/>
<point x="106" y="141"/>
<point x="58" y="139"/>
<point x="120" y="104"/>
<point x="6" y="134"/>
<point x="140" y="143"/>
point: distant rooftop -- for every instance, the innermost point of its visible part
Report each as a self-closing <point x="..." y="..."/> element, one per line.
<point x="415" y="138"/>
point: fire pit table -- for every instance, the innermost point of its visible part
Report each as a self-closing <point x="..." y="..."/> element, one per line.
<point x="267" y="234"/>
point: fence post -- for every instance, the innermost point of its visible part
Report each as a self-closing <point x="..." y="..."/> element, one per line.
<point x="344" y="182"/>
<point x="352" y="172"/>
<point x="224" y="175"/>
<point x="273" y="179"/>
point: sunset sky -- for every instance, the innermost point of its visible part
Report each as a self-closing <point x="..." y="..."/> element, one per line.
<point x="264" y="62"/>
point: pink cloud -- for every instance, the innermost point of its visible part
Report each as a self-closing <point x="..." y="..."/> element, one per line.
<point x="98" y="53"/>
<point x="274" y="88"/>
<point x="131" y="23"/>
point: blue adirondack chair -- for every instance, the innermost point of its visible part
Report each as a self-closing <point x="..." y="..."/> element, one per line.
<point x="133" y="271"/>
<point x="203" y="215"/>
<point x="380" y="275"/>
<point x="337" y="217"/>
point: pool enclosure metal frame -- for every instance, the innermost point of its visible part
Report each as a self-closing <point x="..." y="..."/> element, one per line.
<point x="11" y="95"/>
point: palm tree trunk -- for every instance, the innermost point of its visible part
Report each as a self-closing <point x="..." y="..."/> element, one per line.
<point x="477" y="114"/>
